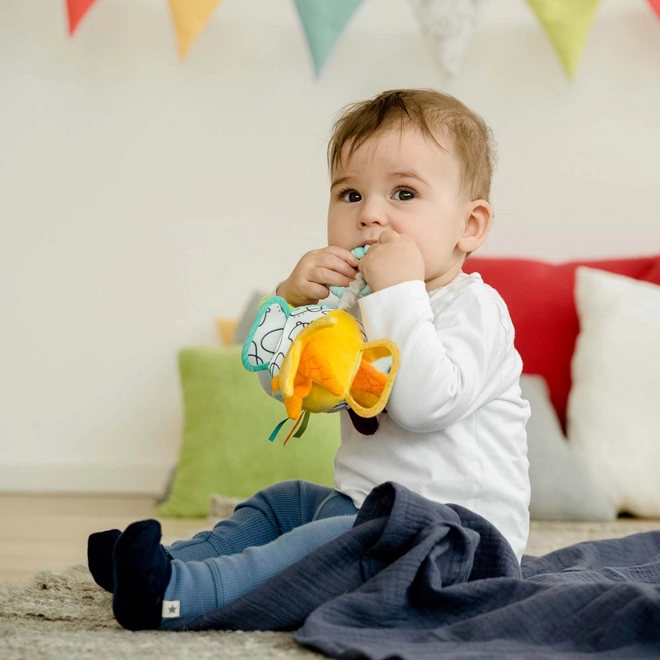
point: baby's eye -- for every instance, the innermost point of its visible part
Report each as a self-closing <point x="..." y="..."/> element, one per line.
<point x="404" y="194"/>
<point x="350" y="196"/>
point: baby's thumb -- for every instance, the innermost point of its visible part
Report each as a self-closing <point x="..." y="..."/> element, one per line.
<point x="387" y="236"/>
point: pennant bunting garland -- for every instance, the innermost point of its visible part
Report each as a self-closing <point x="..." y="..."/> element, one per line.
<point x="448" y="27"/>
<point x="567" y="23"/>
<point x="76" y="10"/>
<point x="656" y="6"/>
<point x="323" y="22"/>
<point x="190" y="17"/>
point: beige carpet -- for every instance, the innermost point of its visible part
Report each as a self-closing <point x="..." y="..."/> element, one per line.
<point x="69" y="616"/>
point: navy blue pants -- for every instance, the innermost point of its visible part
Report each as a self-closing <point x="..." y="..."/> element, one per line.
<point x="267" y="515"/>
<point x="267" y="533"/>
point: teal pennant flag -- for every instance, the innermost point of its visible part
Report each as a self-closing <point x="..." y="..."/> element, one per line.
<point x="323" y="22"/>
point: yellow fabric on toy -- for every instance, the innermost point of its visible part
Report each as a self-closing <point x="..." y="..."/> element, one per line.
<point x="329" y="362"/>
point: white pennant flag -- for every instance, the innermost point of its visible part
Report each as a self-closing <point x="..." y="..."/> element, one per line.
<point x="448" y="26"/>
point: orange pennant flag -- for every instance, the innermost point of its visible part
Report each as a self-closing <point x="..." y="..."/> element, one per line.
<point x="190" y="17"/>
<point x="76" y="10"/>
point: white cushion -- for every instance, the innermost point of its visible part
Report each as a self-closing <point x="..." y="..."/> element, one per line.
<point x="613" y="416"/>
<point x="563" y="487"/>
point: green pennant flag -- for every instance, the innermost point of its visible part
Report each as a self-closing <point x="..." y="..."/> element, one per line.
<point x="323" y="22"/>
<point x="567" y="23"/>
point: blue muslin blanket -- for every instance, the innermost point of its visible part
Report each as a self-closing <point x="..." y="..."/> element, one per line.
<point x="415" y="580"/>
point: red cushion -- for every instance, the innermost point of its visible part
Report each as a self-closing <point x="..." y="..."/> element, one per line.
<point x="541" y="302"/>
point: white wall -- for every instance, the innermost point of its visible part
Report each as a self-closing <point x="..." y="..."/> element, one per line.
<point x="141" y="197"/>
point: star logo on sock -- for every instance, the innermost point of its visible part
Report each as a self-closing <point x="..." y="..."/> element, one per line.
<point x="171" y="609"/>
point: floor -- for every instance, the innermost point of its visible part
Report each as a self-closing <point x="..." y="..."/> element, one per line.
<point x="40" y="532"/>
<point x="50" y="531"/>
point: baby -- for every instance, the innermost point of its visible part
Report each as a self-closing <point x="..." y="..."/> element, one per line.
<point x="410" y="177"/>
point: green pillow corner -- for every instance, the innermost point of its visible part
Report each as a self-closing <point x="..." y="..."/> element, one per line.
<point x="225" y="447"/>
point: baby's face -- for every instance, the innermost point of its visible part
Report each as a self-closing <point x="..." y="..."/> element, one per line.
<point x="403" y="181"/>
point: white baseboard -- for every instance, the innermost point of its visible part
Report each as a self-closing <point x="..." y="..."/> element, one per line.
<point x="129" y="478"/>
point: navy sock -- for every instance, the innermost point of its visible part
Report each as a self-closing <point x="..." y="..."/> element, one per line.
<point x="142" y="573"/>
<point x="99" y="557"/>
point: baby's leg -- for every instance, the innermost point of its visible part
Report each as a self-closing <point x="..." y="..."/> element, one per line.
<point x="267" y="515"/>
<point x="198" y="587"/>
<point x="261" y="519"/>
<point x="150" y="586"/>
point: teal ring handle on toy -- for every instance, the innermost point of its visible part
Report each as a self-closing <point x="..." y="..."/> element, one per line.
<point x="338" y="291"/>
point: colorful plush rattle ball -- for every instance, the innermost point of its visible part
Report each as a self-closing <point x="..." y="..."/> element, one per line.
<point x="319" y="360"/>
<point x="357" y="289"/>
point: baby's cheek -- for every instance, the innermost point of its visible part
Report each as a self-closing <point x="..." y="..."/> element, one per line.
<point x="428" y="260"/>
<point x="338" y="238"/>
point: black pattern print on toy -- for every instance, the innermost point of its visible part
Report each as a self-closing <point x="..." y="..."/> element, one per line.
<point x="276" y="364"/>
<point x="264" y="342"/>
<point x="314" y="309"/>
<point x="270" y="341"/>
<point x="253" y="356"/>
<point x="293" y="332"/>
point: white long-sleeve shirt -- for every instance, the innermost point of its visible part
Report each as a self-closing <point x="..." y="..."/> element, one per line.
<point x="454" y="431"/>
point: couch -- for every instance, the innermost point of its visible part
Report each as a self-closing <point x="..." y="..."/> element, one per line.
<point x="225" y="450"/>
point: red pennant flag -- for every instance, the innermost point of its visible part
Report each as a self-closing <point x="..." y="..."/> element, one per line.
<point x="656" y="6"/>
<point x="77" y="9"/>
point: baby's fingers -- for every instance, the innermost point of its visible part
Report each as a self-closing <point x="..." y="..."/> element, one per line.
<point x="332" y="262"/>
<point x="344" y="255"/>
<point x="332" y="277"/>
<point x="316" y="291"/>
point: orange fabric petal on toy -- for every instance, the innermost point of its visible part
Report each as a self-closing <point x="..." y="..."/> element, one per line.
<point x="321" y="372"/>
<point x="369" y="379"/>
<point x="293" y="405"/>
<point x="368" y="385"/>
<point x="302" y="386"/>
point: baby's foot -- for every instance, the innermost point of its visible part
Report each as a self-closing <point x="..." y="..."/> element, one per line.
<point x="99" y="557"/>
<point x="142" y="572"/>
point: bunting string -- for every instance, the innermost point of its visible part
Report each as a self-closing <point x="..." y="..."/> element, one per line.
<point x="447" y="25"/>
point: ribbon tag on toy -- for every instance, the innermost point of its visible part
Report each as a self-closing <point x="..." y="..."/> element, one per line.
<point x="277" y="429"/>
<point x="302" y="421"/>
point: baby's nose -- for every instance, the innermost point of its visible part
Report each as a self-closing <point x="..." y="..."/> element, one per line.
<point x="373" y="214"/>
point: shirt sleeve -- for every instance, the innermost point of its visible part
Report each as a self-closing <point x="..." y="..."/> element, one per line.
<point x="451" y="363"/>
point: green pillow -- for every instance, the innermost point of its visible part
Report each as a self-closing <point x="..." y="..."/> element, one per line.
<point x="225" y="447"/>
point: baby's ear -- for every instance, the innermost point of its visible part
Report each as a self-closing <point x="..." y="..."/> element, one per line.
<point x="479" y="217"/>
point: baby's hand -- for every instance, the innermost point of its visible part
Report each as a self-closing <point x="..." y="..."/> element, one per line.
<point x="393" y="260"/>
<point x="308" y="282"/>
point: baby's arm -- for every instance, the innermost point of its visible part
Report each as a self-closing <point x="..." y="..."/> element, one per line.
<point x="450" y="365"/>
<point x="309" y="280"/>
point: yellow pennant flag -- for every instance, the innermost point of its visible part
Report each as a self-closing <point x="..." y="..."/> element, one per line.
<point x="567" y="23"/>
<point x="190" y="17"/>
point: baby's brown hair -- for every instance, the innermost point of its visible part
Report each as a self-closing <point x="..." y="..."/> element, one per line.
<point x="425" y="110"/>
